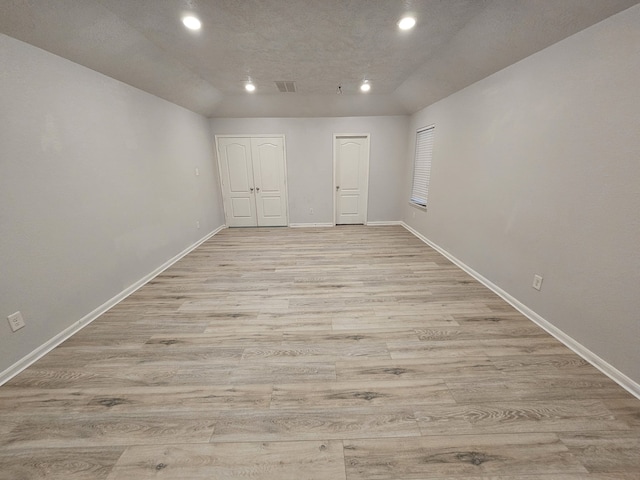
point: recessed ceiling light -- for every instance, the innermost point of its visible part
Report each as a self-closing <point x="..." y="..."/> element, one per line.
<point x="250" y="87"/>
<point x="407" y="23"/>
<point x="191" y="22"/>
<point x="366" y="86"/>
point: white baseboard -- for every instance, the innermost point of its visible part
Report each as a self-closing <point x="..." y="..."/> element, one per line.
<point x="45" y="348"/>
<point x="369" y="224"/>
<point x="609" y="370"/>
<point x="383" y="223"/>
<point x="310" y="225"/>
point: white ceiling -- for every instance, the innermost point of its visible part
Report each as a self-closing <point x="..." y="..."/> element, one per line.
<point x="319" y="44"/>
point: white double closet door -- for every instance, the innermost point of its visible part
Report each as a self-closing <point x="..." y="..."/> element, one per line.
<point x="253" y="177"/>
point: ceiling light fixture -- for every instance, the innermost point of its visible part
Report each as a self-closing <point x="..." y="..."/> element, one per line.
<point x="407" y="23"/>
<point x="250" y="87"/>
<point x="191" y="22"/>
<point x="366" y="86"/>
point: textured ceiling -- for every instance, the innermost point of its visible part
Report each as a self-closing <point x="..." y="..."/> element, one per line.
<point x="319" y="44"/>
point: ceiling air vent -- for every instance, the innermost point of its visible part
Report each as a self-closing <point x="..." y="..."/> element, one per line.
<point x="286" y="86"/>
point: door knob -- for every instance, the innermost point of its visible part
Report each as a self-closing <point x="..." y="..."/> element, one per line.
<point x="251" y="189"/>
<point x="257" y="189"/>
<point x="337" y="188"/>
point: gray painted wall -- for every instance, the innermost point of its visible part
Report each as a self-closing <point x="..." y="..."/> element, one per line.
<point x="97" y="190"/>
<point x="537" y="170"/>
<point x="309" y="145"/>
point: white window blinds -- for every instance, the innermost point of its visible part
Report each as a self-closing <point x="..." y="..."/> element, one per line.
<point x="422" y="166"/>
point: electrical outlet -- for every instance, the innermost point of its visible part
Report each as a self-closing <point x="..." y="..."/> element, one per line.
<point x="197" y="172"/>
<point x="311" y="211"/>
<point x="198" y="224"/>
<point x="16" y="321"/>
<point x="537" y="282"/>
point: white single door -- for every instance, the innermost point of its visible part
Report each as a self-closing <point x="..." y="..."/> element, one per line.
<point x="269" y="173"/>
<point x="238" y="190"/>
<point x="351" y="158"/>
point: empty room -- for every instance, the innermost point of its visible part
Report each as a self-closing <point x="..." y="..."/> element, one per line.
<point x="330" y="239"/>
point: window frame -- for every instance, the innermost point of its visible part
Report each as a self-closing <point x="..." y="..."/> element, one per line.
<point x="421" y="179"/>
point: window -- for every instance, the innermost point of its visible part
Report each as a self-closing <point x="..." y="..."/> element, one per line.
<point x="422" y="166"/>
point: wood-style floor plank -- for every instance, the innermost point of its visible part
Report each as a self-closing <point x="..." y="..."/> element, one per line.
<point x="314" y="424"/>
<point x="258" y="372"/>
<point x="340" y="353"/>
<point x="109" y="428"/>
<point x="518" y="417"/>
<point x="458" y="456"/>
<point x="357" y="394"/>
<point x="541" y="387"/>
<point x="312" y="460"/>
<point x="78" y="463"/>
<point x="359" y="370"/>
<point x="605" y="451"/>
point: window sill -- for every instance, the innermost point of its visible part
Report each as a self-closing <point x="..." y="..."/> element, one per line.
<point x="418" y="206"/>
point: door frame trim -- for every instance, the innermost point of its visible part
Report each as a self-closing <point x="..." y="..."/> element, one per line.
<point x="251" y="135"/>
<point x="335" y="180"/>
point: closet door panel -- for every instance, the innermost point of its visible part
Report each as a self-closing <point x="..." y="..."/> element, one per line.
<point x="237" y="177"/>
<point x="269" y="172"/>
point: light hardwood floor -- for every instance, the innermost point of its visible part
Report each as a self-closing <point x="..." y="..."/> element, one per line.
<point x="338" y="353"/>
